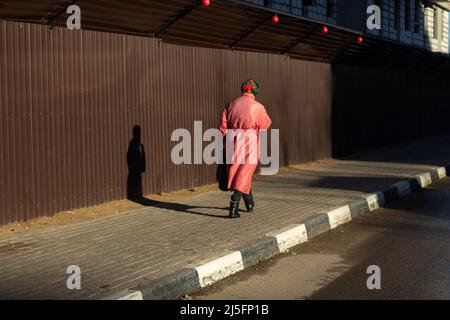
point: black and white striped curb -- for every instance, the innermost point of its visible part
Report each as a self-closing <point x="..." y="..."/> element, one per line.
<point x="189" y="280"/>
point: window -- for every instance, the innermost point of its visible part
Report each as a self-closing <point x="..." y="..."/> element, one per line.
<point x="379" y="3"/>
<point x="397" y="14"/>
<point x="305" y="5"/>
<point x="329" y="8"/>
<point x="417" y="11"/>
<point x="407" y="15"/>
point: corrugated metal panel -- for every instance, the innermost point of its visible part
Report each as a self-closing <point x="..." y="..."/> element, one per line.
<point x="69" y="101"/>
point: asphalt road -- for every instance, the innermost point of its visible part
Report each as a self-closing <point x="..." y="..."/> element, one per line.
<point x="409" y="241"/>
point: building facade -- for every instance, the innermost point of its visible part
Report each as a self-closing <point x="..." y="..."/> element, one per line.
<point x="414" y="22"/>
<point x="322" y="10"/>
<point x="419" y="23"/>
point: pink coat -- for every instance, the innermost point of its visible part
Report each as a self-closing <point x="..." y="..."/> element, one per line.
<point x="249" y="115"/>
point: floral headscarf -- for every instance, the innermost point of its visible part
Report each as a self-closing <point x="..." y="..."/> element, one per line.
<point x="250" y="86"/>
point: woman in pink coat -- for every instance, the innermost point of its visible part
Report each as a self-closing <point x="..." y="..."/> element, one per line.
<point x="244" y="117"/>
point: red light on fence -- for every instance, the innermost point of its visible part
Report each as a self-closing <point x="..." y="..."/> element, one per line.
<point x="275" y="19"/>
<point x="325" y="29"/>
<point x="360" y="40"/>
<point x="206" y="3"/>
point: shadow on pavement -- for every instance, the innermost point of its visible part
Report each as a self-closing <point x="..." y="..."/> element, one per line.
<point x="179" y="207"/>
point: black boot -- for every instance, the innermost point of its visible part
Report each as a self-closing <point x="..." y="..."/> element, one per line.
<point x="234" y="209"/>
<point x="249" y="203"/>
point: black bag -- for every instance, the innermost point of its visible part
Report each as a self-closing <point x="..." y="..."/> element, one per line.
<point x="222" y="173"/>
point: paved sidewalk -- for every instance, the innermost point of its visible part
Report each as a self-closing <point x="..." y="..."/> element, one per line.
<point x="120" y="251"/>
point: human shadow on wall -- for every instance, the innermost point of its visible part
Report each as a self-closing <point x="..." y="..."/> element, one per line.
<point x="136" y="161"/>
<point x="136" y="165"/>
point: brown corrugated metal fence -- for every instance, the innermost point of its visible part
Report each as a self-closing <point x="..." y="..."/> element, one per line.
<point x="69" y="101"/>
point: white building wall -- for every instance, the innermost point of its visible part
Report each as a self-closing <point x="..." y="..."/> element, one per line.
<point x="445" y="45"/>
<point x="429" y="29"/>
<point x="424" y="37"/>
<point x="439" y="44"/>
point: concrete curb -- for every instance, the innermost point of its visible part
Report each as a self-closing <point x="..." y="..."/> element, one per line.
<point x="189" y="280"/>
